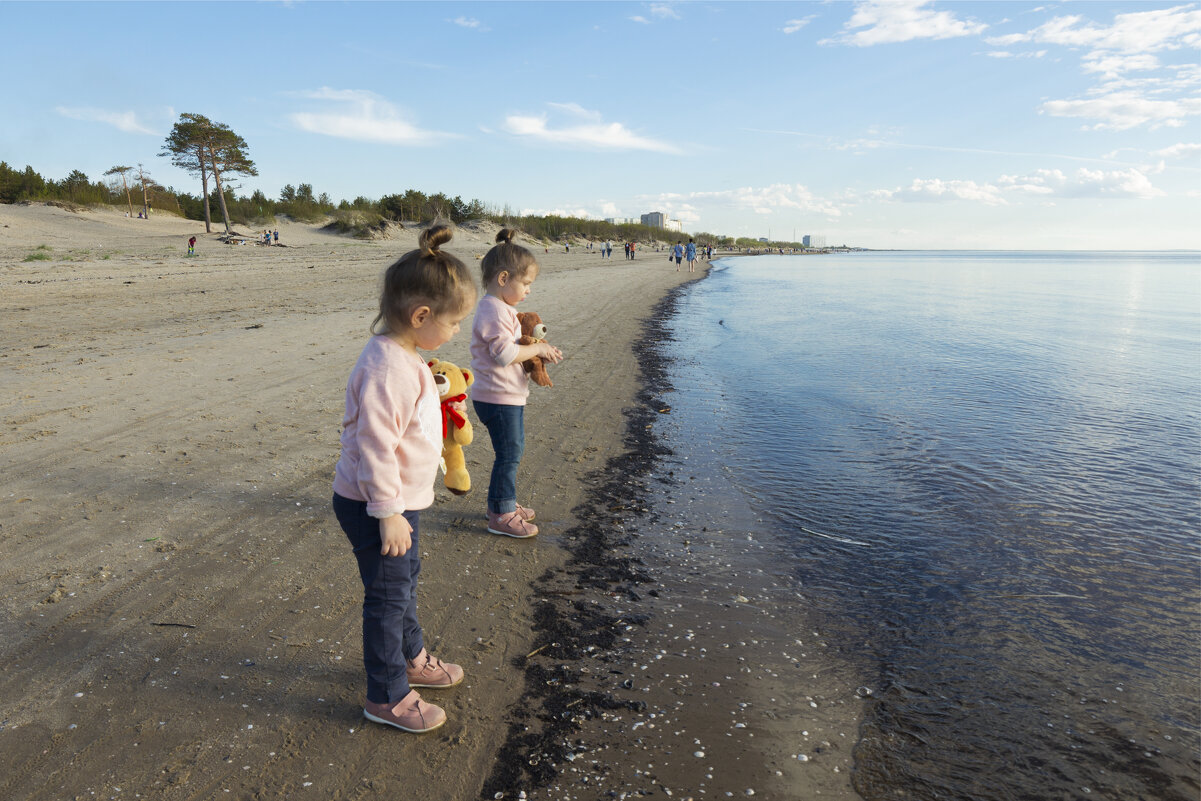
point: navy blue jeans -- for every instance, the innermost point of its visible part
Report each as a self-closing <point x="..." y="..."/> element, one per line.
<point x="391" y="633"/>
<point x="506" y="427"/>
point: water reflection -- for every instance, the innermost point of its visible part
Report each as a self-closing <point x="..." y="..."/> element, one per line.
<point x="987" y="466"/>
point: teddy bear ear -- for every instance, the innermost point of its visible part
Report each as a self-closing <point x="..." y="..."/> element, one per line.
<point x="468" y="376"/>
<point x="431" y="363"/>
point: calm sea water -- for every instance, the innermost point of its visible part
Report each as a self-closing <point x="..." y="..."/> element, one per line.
<point x="987" y="467"/>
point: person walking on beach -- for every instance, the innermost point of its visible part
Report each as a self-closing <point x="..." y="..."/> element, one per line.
<point x="690" y="254"/>
<point x="192" y="246"/>
<point x="391" y="448"/>
<point x="677" y="253"/>
<point x="608" y="252"/>
<point x="501" y="385"/>
<point x="632" y="246"/>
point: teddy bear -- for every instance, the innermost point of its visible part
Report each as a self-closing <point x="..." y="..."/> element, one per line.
<point x="452" y="382"/>
<point x="532" y="332"/>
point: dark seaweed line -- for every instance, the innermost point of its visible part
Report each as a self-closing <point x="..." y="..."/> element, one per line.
<point x="571" y="615"/>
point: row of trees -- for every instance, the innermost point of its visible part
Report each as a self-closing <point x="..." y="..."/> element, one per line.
<point x="212" y="151"/>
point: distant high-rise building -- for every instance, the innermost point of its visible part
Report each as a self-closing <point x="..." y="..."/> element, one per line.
<point x="674" y="225"/>
<point x="806" y="240"/>
<point x="655" y="219"/>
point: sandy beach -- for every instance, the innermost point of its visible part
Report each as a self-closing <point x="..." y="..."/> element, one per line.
<point x="181" y="613"/>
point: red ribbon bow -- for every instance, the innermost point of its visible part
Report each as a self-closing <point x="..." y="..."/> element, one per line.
<point x="452" y="414"/>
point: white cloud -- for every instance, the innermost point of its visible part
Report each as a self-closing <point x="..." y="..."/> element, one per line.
<point x="641" y="19"/>
<point x="366" y="118"/>
<point x="577" y="110"/>
<point x="1126" y="46"/>
<point x="469" y="22"/>
<point x="593" y="133"/>
<point x="794" y="25"/>
<point x="1007" y="54"/>
<point x="769" y="199"/>
<point x="888" y="21"/>
<point x="1137" y="32"/>
<point x="936" y="190"/>
<point x="1084" y="183"/>
<point x="663" y="11"/>
<point x="1180" y="151"/>
<point x="1123" y="110"/>
<point x="1112" y="65"/>
<point x="122" y="120"/>
<point x="1041" y="184"/>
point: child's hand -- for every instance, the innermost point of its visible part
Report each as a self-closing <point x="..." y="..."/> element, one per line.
<point x="396" y="535"/>
<point x="550" y="353"/>
<point x="460" y="407"/>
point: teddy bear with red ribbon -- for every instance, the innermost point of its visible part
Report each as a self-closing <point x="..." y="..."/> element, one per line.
<point x="452" y="382"/>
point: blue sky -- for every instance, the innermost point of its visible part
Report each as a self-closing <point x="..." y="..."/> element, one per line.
<point x="880" y="124"/>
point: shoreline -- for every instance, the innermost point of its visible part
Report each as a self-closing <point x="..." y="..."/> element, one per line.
<point x="632" y="680"/>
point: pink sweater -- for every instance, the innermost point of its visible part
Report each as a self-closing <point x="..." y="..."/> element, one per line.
<point x="392" y="432"/>
<point x="494" y="335"/>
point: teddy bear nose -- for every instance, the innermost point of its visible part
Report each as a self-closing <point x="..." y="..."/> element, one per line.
<point x="440" y="380"/>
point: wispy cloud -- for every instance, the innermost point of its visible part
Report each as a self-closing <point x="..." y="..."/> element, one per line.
<point x="794" y="25"/>
<point x="1121" y="111"/>
<point x="864" y="144"/>
<point x="1084" y="183"/>
<point x="586" y="129"/>
<point x="1041" y="184"/>
<point x="469" y="22"/>
<point x="936" y="190"/>
<point x="759" y="199"/>
<point x="1180" y="151"/>
<point x="640" y="18"/>
<point x="122" y="120"/>
<point x="664" y="11"/>
<point x="1136" y="32"/>
<point x="363" y="116"/>
<point x="1114" y="52"/>
<point x="889" y="21"/>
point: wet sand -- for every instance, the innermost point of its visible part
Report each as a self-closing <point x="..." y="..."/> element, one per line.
<point x="180" y="609"/>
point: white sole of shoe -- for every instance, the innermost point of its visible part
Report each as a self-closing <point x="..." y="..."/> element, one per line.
<point x="509" y="534"/>
<point x="396" y="725"/>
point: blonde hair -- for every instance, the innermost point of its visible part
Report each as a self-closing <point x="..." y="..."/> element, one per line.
<point x="425" y="276"/>
<point x="506" y="256"/>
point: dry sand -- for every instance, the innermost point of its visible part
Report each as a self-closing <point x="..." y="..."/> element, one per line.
<point x="180" y="612"/>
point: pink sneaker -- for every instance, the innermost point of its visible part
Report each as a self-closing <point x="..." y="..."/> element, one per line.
<point x="410" y="714"/>
<point x="428" y="670"/>
<point x="511" y="525"/>
<point x="526" y="514"/>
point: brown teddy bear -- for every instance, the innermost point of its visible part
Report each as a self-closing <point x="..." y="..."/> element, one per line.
<point x="532" y="332"/>
<point x="452" y="382"/>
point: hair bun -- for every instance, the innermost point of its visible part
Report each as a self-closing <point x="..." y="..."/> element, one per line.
<point x="505" y="236"/>
<point x="433" y="238"/>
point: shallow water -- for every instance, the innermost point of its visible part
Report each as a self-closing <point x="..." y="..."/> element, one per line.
<point x="983" y="469"/>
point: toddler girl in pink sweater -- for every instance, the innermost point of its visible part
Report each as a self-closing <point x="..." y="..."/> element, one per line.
<point x="391" y="448"/>
<point x="501" y="386"/>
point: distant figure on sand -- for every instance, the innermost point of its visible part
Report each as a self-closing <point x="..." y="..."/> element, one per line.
<point x="192" y="246"/>
<point x="677" y="253"/>
<point x="391" y="447"/>
<point x="275" y="234"/>
<point x="690" y="254"/>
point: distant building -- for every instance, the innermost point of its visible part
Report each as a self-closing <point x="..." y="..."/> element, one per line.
<point x="807" y="240"/>
<point x="674" y="225"/>
<point x="655" y="219"/>
<point x="764" y="239"/>
<point x="620" y="220"/>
